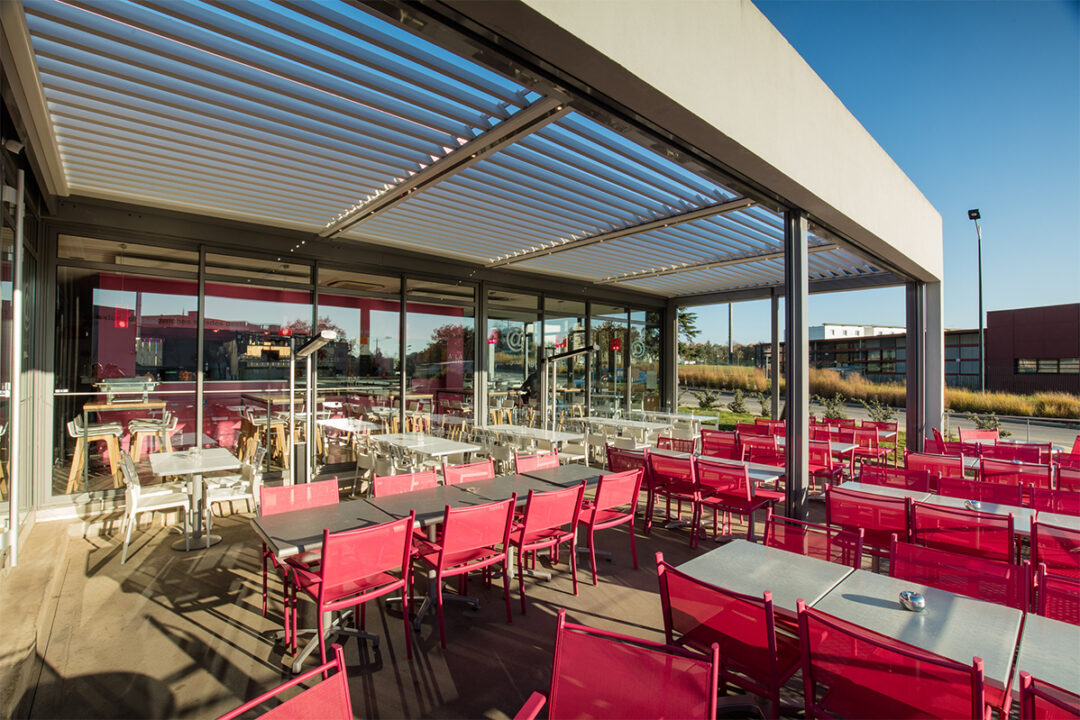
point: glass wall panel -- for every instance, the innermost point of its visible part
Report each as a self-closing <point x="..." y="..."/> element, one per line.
<point x="564" y="329"/>
<point x="511" y="346"/>
<point x="7" y="245"/>
<point x="645" y="360"/>
<point x="609" y="331"/>
<point x="440" y="343"/>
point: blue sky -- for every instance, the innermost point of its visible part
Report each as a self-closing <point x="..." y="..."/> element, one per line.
<point x="979" y="103"/>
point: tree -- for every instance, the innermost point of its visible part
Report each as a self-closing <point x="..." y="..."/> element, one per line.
<point x="688" y="330"/>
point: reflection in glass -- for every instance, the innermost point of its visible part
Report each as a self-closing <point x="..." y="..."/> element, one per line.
<point x="7" y="244"/>
<point x="645" y="360"/>
<point x="439" y="346"/>
<point x="564" y="329"/>
<point x="609" y="331"/>
<point x="511" y="346"/>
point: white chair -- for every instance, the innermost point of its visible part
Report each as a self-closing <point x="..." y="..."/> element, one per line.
<point x="244" y="486"/>
<point x="597" y="444"/>
<point x="625" y="443"/>
<point x="138" y="502"/>
<point x="365" y="463"/>
<point x="576" y="452"/>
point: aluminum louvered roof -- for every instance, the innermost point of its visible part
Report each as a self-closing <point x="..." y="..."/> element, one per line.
<point x="293" y="114"/>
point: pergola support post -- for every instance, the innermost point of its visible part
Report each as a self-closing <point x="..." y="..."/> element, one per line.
<point x="774" y="356"/>
<point x="670" y="349"/>
<point x="484" y="370"/>
<point x="934" y="358"/>
<point x="916" y="366"/>
<point x="796" y="371"/>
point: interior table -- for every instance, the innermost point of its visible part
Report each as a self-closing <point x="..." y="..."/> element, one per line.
<point x="194" y="463"/>
<point x="953" y="626"/>
<point x="1048" y="651"/>
<point x="426" y="444"/>
<point x="348" y="425"/>
<point x="621" y="423"/>
<point x="751" y="569"/>
<point x="885" y="490"/>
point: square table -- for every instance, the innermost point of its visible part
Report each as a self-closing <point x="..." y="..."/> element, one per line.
<point x="194" y="462"/>
<point x="1022" y="516"/>
<point x="568" y="475"/>
<point x="759" y="472"/>
<point x="885" y="490"/>
<point x="751" y="569"/>
<point x="424" y="444"/>
<point x="1048" y="651"/>
<point x="300" y="531"/>
<point x="429" y="503"/>
<point x="504" y="486"/>
<point x="348" y="425"/>
<point x="953" y="626"/>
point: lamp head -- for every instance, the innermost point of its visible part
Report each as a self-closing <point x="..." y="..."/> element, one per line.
<point x="974" y="214"/>
<point x="324" y="337"/>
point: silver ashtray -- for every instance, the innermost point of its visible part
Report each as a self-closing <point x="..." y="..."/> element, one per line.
<point x="973" y="505"/>
<point x="913" y="601"/>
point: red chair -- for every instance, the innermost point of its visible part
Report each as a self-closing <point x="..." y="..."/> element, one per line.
<point x="721" y="447"/>
<point x="968" y="532"/>
<point x="726" y="487"/>
<point x="329" y="700"/>
<point x="605" y="675"/>
<point x="1068" y="479"/>
<point x="613" y="492"/>
<point x="937" y="466"/>
<point x="867" y="447"/>
<point x="843" y="547"/>
<point x="904" y="479"/>
<point x="699" y="616"/>
<point x="456" y="474"/>
<point x="851" y="672"/>
<point x="840" y="422"/>
<point x="976" y="435"/>
<point x="820" y="432"/>
<point x="997" y="582"/>
<point x="673" y="479"/>
<point x="981" y="491"/>
<point x="884" y="426"/>
<point x="623" y="459"/>
<point x="1076" y="446"/>
<point x="1041" y="700"/>
<point x="879" y="517"/>
<point x="726" y="435"/>
<point x="1015" y="473"/>
<point x="1058" y="548"/>
<point x="384" y="485"/>
<point x="1059" y="596"/>
<point x="822" y="464"/>
<point x="358" y="566"/>
<point x="539" y="461"/>
<point x="1063" y="502"/>
<point x="1067" y="460"/>
<point x="548" y="521"/>
<point x="745" y="430"/>
<point x="685" y="445"/>
<point x="764" y="451"/>
<point x="934" y="447"/>
<point x="274" y="500"/>
<point x="1012" y="452"/>
<point x="472" y="538"/>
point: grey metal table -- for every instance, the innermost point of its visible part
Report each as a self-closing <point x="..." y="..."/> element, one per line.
<point x="505" y="486"/>
<point x="1049" y="651"/>
<point x="429" y="503"/>
<point x="568" y="475"/>
<point x="885" y="490"/>
<point x="194" y="463"/>
<point x="751" y="569"/>
<point x="300" y="531"/>
<point x="759" y="472"/>
<point x="953" y="626"/>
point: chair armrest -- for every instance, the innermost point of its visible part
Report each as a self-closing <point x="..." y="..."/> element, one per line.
<point x="532" y="707"/>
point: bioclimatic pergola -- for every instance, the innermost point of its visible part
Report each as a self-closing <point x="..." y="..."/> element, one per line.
<point x="353" y="123"/>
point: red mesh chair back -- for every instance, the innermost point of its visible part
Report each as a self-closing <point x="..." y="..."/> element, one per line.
<point x="601" y="674"/>
<point x="617" y="490"/>
<point x="551" y="510"/>
<point x="821" y="457"/>
<point x="1067" y="460"/>
<point x="729" y="449"/>
<point x="844" y="434"/>
<point x="1012" y="452"/>
<point x="456" y="474"/>
<point x="905" y="479"/>
<point x="764" y="451"/>
<point x="820" y="432"/>
<point x="882" y="425"/>
<point x="384" y="485"/>
<point x="329" y="700"/>
<point x="840" y="422"/>
<point x="990" y="580"/>
<point x="747" y="430"/>
<point x="1058" y="548"/>
<point x="472" y="528"/>
<point x="1059" y="597"/>
<point x="1063" y="502"/>
<point x="937" y="436"/>
<point x="620" y="459"/>
<point x="866" y="437"/>
<point x="851" y="672"/>
<point x="879" y="517"/>
<point x="966" y="449"/>
<point x="843" y="547"/>
<point x="686" y="445"/>
<point x="937" y="465"/>
<point x="362" y="553"/>
<point x="539" y="461"/>
<point x="698" y="615"/>
<point x="274" y="500"/>
<point x="981" y="491"/>
<point x="1044" y="701"/>
<point x="935" y="447"/>
<point x="975" y="435"/>
<point x="968" y="532"/>
<point x="1068" y="478"/>
<point x="1076" y="446"/>
<point x="723" y="480"/>
<point x="1015" y="473"/>
<point x="675" y="474"/>
<point x="729" y="435"/>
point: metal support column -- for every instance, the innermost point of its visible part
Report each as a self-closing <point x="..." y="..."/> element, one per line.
<point x="16" y="365"/>
<point x="402" y="347"/>
<point x="916" y="366"/>
<point x="483" y="368"/>
<point x="200" y="324"/>
<point x="934" y="358"/>
<point x="797" y="350"/>
<point x="669" y="344"/>
<point x="774" y="357"/>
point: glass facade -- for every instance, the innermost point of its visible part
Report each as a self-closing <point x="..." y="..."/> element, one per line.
<point x="440" y="345"/>
<point x="610" y="326"/>
<point x="564" y="330"/>
<point x="645" y="360"/>
<point x="511" y="345"/>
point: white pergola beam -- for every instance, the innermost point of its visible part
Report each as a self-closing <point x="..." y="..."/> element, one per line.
<point x="707" y="265"/>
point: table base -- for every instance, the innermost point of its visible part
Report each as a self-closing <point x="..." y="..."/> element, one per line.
<point x="312" y="645"/>
<point x="198" y="542"/>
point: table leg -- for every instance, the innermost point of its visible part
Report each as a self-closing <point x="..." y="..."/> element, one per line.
<point x="333" y="627"/>
<point x="198" y="536"/>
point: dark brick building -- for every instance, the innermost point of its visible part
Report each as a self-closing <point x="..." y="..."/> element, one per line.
<point x="1034" y="349"/>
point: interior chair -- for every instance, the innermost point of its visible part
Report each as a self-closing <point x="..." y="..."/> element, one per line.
<point x="108" y="433"/>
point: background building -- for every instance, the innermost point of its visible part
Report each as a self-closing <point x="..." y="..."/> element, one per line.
<point x="829" y="331"/>
<point x="1034" y="349"/>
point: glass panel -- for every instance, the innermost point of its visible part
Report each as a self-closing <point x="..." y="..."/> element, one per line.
<point x="275" y="271"/>
<point x="1025" y="366"/>
<point x="439" y="345"/>
<point x="1048" y="367"/>
<point x="127" y="256"/>
<point x="564" y="329"/>
<point x="969" y="352"/>
<point x="645" y="360"/>
<point x="1069" y="366"/>
<point x="511" y="347"/>
<point x="609" y="331"/>
<point x="7" y="245"/>
<point x="112" y="328"/>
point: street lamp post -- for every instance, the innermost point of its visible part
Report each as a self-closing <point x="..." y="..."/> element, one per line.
<point x="974" y="215"/>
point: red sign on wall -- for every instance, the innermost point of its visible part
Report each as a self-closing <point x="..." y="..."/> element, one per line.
<point x="616" y="343"/>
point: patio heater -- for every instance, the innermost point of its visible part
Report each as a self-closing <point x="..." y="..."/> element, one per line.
<point x="974" y="215"/>
<point x="551" y="360"/>
<point x="304" y="452"/>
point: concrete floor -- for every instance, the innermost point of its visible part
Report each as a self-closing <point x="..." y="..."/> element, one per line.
<point x="174" y="634"/>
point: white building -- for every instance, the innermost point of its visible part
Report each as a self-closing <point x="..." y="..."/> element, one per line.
<point x="830" y="331"/>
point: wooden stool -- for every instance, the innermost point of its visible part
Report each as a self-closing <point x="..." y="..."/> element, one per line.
<point x="109" y="434"/>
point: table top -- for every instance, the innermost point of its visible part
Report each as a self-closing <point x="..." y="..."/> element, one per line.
<point x="531" y="432"/>
<point x="836" y="447"/>
<point x="953" y="626"/>
<point x="883" y="490"/>
<point x="1048" y="650"/>
<point x="568" y="475"/>
<point x="670" y="417"/>
<point x="299" y="531"/>
<point x="751" y="569"/>
<point x="351" y="425"/>
<point x="429" y="503"/>
<point x="98" y="406"/>
<point x="193" y="461"/>
<point x="504" y="486"/>
<point x="299" y="397"/>
<point x="426" y="444"/>
<point x="622" y="422"/>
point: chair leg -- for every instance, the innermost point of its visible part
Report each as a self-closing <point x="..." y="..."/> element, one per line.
<point x="633" y="545"/>
<point x="521" y="578"/>
<point x="322" y="637"/>
<point x="573" y="564"/>
<point x="112" y="443"/>
<point x="405" y="593"/>
<point x="265" y="551"/>
<point x="439" y="608"/>
<point x="592" y="554"/>
<point x="506" y="588"/>
<point x="127" y="538"/>
<point x="76" y="464"/>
